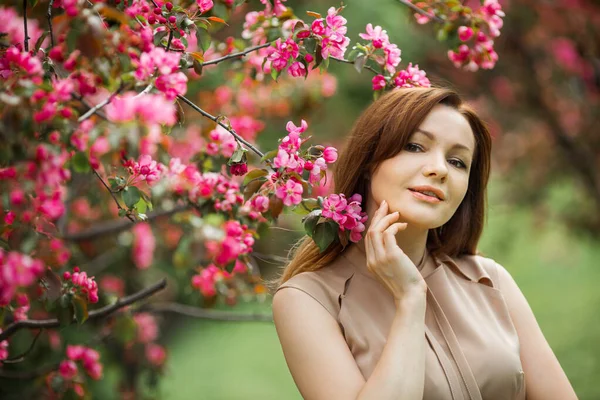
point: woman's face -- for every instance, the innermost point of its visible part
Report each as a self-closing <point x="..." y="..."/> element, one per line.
<point x="438" y="154"/>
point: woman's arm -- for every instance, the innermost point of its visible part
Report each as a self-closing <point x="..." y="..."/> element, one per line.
<point x="323" y="366"/>
<point x="544" y="377"/>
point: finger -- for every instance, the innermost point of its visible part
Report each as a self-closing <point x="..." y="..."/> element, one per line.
<point x="389" y="235"/>
<point x="377" y="243"/>
<point x="379" y="213"/>
<point x="386" y="221"/>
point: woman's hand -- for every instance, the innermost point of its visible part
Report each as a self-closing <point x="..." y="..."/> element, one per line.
<point x="386" y="260"/>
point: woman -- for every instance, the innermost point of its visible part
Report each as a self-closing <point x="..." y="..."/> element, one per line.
<point x="412" y="311"/>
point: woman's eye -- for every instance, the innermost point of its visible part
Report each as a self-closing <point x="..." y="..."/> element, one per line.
<point x="458" y="164"/>
<point x="412" y="146"/>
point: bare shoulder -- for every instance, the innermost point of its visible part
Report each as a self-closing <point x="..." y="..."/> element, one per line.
<point x="314" y="347"/>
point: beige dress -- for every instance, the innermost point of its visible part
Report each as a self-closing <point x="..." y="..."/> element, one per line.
<point x="473" y="348"/>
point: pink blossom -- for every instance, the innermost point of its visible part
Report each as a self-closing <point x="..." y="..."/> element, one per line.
<point x="260" y="203"/>
<point x="412" y="76"/>
<point x="147" y="328"/>
<point x="155" y="354"/>
<point x="465" y="33"/>
<point x="68" y="369"/>
<point x="145" y="169"/>
<point x="346" y="213"/>
<point x="246" y="126"/>
<point x="3" y="349"/>
<point x="17" y="271"/>
<point x="378" y="82"/>
<point x="290" y="193"/>
<point x="392" y="59"/>
<point x="297" y="69"/>
<point x="377" y="35"/>
<point x="318" y="27"/>
<point x="204" y="5"/>
<point x="330" y="154"/>
<point x="9" y="218"/>
<point x="172" y="85"/>
<point x="143" y="245"/>
<point x="222" y="141"/>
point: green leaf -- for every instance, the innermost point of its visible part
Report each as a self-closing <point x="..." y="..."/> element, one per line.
<point x="229" y="267"/>
<point x="81" y="309"/>
<point x="141" y="206"/>
<point x="275" y="74"/>
<point x="197" y="66"/>
<point x="38" y="43"/>
<point x="131" y="195"/>
<point x="204" y="38"/>
<point x="324" y="234"/>
<point x="310" y="222"/>
<point x="253" y="187"/>
<point x="255" y="173"/>
<point x="268" y="155"/>
<point x="159" y="37"/>
<point x="352" y="55"/>
<point x="359" y="63"/>
<point x="81" y="163"/>
<point x="310" y="44"/>
<point x="238" y="156"/>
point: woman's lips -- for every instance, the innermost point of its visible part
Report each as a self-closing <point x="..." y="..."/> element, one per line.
<point x="425" y="197"/>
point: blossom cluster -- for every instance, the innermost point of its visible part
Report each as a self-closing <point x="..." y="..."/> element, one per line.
<point x="13" y="58"/>
<point x="89" y="359"/>
<point x="17" y="271"/>
<point x="237" y="240"/>
<point x="170" y="81"/>
<point x="83" y="284"/>
<point x="144" y="170"/>
<point x="291" y="162"/>
<point x="488" y="17"/>
<point x="387" y="55"/>
<point x="347" y="213"/>
<point x="332" y="32"/>
<point x="149" y="109"/>
<point x="205" y="281"/>
<point x="187" y="180"/>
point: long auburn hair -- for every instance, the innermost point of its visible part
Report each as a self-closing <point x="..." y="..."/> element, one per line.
<point x="381" y="132"/>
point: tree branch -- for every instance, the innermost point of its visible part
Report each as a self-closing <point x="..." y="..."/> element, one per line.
<point x="116" y="226"/>
<point x="26" y="40"/>
<point x="217" y="120"/>
<point x="352" y="62"/>
<point x="235" y="55"/>
<point x="98" y="106"/>
<point x="49" y="15"/>
<point x="169" y="41"/>
<point x="113" y="195"/>
<point x="21" y="357"/>
<point x="422" y="12"/>
<point x="96" y="314"/>
<point x="196" y="312"/>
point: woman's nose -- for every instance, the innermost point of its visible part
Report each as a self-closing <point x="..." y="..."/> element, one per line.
<point x="436" y="166"/>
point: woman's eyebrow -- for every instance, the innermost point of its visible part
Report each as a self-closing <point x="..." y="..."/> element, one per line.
<point x="431" y="136"/>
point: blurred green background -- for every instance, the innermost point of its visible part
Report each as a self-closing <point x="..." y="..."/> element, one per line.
<point x="543" y="221"/>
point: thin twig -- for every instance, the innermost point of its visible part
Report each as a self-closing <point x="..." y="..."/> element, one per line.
<point x="21" y="357"/>
<point x="235" y="55"/>
<point x="98" y="106"/>
<point x="196" y="312"/>
<point x="49" y="15"/>
<point x="96" y="314"/>
<point x="169" y="40"/>
<point x="113" y="195"/>
<point x="422" y="12"/>
<point x="116" y="226"/>
<point x="352" y="62"/>
<point x="218" y="121"/>
<point x="26" y="40"/>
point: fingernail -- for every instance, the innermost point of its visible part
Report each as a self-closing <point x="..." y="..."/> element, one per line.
<point x="383" y="202"/>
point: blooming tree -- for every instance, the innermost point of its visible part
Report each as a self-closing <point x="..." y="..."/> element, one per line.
<point x="99" y="164"/>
